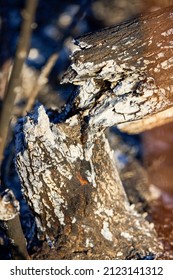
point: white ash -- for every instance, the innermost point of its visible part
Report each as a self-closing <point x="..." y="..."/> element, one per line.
<point x="52" y="141"/>
<point x="127" y="235"/>
<point x="105" y="231"/>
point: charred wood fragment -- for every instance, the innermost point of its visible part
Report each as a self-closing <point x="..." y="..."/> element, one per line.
<point x="76" y="194"/>
<point x="125" y="71"/>
<point x="67" y="170"/>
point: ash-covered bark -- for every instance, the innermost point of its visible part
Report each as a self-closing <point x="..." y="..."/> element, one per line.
<point x="76" y="194"/>
<point x="67" y="170"/>
<point x="125" y="72"/>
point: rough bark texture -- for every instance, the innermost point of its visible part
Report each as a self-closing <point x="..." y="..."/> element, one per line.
<point x="76" y="194"/>
<point x="67" y="169"/>
<point x="125" y="71"/>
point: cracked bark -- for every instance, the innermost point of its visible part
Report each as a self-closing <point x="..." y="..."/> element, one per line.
<point x="131" y="64"/>
<point x="75" y="191"/>
<point x="67" y="169"/>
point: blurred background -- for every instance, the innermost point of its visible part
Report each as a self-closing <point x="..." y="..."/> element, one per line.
<point x="56" y="24"/>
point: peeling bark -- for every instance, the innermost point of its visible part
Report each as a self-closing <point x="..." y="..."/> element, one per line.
<point x="125" y="72"/>
<point x="76" y="194"/>
<point x="66" y="166"/>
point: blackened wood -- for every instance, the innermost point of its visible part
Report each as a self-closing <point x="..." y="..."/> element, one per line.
<point x="76" y="194"/>
<point x="144" y="43"/>
<point x="66" y="169"/>
<point x="125" y="69"/>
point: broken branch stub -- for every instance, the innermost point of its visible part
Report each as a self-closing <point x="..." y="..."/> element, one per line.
<point x="76" y="194"/>
<point x="9" y="214"/>
<point x="125" y="71"/>
<point x="67" y="169"/>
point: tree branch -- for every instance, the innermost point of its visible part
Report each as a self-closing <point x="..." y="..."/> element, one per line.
<point x="12" y="87"/>
<point x="40" y="82"/>
<point x="125" y="71"/>
<point x="67" y="169"/>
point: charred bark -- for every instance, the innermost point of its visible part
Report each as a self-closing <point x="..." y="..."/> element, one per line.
<point x="67" y="169"/>
<point x="76" y="194"/>
<point x="125" y="72"/>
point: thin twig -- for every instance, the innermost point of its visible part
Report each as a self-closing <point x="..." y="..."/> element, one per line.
<point x="76" y="18"/>
<point x="42" y="79"/>
<point x="5" y="69"/>
<point x="13" y="85"/>
<point x="40" y="82"/>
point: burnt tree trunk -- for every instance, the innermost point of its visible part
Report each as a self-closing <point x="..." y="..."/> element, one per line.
<point x="76" y="194"/>
<point x="67" y="169"/>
